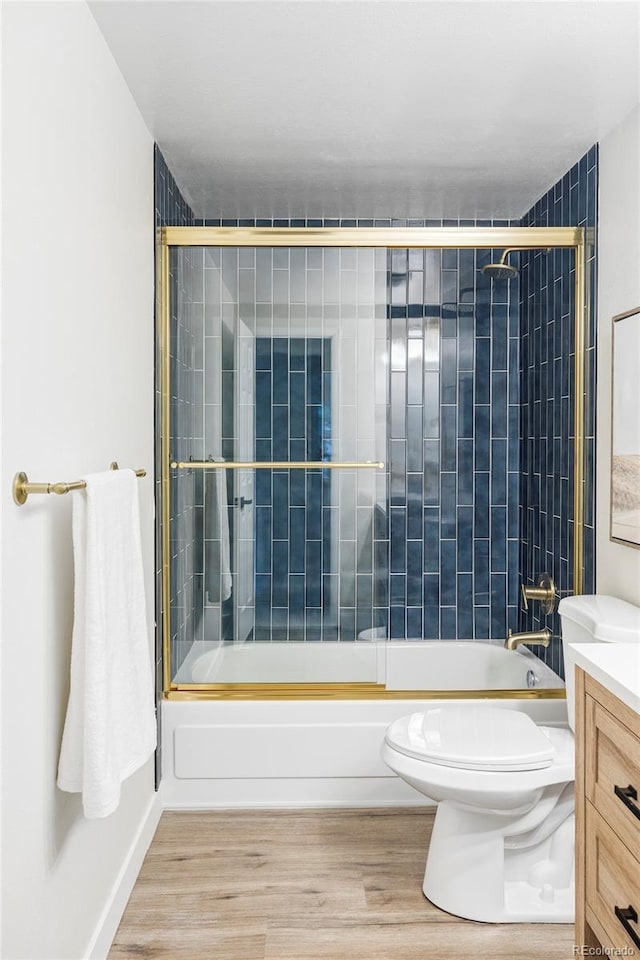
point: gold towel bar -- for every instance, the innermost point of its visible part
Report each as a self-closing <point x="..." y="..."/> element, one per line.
<point x="278" y="465"/>
<point x="22" y="486"/>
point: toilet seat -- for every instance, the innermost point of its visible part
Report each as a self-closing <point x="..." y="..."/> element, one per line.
<point x="474" y="737"/>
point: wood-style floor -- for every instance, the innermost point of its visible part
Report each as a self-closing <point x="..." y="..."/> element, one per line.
<point x="306" y="885"/>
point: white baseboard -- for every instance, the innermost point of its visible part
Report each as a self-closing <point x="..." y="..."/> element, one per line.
<point x="107" y="926"/>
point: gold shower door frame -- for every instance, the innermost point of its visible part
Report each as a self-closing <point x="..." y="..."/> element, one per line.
<point x="523" y="238"/>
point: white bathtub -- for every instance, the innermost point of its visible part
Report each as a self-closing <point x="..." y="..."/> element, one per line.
<point x="326" y="752"/>
<point x="403" y="665"/>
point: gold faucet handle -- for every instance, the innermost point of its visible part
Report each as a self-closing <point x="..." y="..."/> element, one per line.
<point x="544" y="592"/>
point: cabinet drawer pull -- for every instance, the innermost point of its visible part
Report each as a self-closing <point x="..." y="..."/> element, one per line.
<point x="628" y="795"/>
<point x="626" y="915"/>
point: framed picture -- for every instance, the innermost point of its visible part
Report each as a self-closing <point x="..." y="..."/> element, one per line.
<point x="625" y="429"/>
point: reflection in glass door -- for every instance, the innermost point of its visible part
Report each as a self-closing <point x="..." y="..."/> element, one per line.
<point x="244" y="528"/>
<point x="287" y="363"/>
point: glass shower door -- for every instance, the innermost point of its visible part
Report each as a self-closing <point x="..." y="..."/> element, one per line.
<point x="280" y="362"/>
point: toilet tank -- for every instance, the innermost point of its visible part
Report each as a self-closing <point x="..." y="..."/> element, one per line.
<point x="592" y="618"/>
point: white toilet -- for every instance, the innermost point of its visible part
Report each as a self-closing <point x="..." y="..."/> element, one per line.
<point x="503" y="838"/>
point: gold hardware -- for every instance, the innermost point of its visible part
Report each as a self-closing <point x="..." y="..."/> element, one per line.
<point x="279" y="465"/>
<point x="545" y="592"/>
<point x="520" y="238"/>
<point x="508" y="250"/>
<point x="534" y="638"/>
<point x="163" y="311"/>
<point x="579" y="337"/>
<point x="345" y="691"/>
<point x="22" y="487"/>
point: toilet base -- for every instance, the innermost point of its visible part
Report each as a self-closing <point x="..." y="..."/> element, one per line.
<point x="488" y="867"/>
<point x="522" y="904"/>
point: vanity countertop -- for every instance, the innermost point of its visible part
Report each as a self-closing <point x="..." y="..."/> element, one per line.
<point x="615" y="665"/>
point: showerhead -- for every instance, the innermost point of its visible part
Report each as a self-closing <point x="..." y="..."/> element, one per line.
<point x="501" y="270"/>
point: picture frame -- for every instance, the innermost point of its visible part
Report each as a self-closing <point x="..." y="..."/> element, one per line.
<point x="625" y="429"/>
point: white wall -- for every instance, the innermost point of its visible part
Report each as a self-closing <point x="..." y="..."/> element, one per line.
<point x="617" y="566"/>
<point x="77" y="327"/>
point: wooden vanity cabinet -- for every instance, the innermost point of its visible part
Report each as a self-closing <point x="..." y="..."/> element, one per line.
<point x="607" y="820"/>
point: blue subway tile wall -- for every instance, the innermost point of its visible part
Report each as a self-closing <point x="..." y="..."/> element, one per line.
<point x="454" y="445"/>
<point x="171" y="208"/>
<point x="293" y="545"/>
<point x="547" y="391"/>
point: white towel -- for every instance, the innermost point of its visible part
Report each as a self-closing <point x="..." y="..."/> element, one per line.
<point x="110" y="728"/>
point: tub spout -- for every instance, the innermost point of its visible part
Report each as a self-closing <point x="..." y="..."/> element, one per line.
<point x="540" y="638"/>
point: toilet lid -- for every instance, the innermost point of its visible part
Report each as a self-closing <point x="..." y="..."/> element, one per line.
<point x="472" y="738"/>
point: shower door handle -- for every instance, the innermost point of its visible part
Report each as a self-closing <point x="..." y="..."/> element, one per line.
<point x="241" y="502"/>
